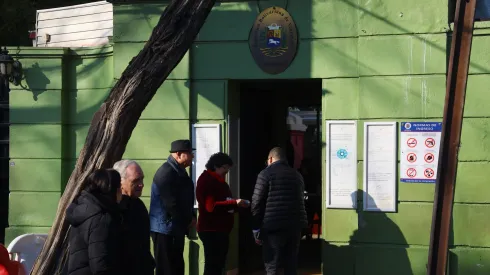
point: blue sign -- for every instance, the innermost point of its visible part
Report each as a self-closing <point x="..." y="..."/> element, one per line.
<point x="342" y="153"/>
<point x="421" y="126"/>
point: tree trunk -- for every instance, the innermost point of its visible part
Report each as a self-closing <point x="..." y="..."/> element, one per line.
<point x="114" y="122"/>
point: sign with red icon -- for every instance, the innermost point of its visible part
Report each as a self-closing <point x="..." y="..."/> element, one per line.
<point x="419" y="151"/>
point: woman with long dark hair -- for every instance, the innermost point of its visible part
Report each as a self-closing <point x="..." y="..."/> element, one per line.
<point x="216" y="208"/>
<point x="95" y="221"/>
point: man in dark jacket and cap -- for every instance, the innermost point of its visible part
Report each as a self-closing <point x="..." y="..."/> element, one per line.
<point x="172" y="209"/>
<point x="278" y="213"/>
<point x="137" y="256"/>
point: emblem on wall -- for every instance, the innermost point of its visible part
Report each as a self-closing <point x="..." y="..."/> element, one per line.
<point x="273" y="40"/>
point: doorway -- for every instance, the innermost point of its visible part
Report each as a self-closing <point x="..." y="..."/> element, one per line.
<point x="283" y="113"/>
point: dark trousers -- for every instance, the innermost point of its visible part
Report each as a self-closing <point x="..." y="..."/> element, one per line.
<point x="215" y="251"/>
<point x="280" y="249"/>
<point x="168" y="251"/>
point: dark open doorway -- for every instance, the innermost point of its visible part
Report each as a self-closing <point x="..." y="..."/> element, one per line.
<point x="282" y="113"/>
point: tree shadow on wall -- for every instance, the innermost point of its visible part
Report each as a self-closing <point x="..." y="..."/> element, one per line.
<point x="377" y="246"/>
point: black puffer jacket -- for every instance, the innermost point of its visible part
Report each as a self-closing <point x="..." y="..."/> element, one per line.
<point x="136" y="229"/>
<point x="278" y="199"/>
<point x="94" y="240"/>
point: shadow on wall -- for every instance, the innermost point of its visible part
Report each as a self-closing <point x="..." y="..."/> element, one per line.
<point x="35" y="77"/>
<point x="363" y="254"/>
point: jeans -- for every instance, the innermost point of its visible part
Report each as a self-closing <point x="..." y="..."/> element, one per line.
<point x="215" y="251"/>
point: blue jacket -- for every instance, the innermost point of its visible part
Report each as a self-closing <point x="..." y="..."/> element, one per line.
<point x="172" y="200"/>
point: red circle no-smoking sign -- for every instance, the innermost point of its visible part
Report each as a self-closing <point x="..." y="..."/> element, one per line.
<point x="412" y="142"/>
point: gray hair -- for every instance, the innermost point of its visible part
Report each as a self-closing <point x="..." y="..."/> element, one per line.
<point x="122" y="165"/>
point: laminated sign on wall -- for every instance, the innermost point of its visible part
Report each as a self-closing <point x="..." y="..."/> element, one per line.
<point x="419" y="154"/>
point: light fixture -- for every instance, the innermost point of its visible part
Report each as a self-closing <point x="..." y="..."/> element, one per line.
<point x="10" y="69"/>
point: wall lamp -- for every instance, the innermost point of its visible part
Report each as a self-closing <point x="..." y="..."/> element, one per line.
<point x="10" y="69"/>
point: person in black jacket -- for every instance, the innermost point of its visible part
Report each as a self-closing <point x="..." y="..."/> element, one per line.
<point x="278" y="213"/>
<point x="172" y="209"/>
<point x="94" y="238"/>
<point x="136" y="223"/>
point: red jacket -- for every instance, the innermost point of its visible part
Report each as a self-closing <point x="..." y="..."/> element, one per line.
<point x="216" y="206"/>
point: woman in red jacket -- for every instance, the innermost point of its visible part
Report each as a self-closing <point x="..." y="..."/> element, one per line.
<point x="216" y="208"/>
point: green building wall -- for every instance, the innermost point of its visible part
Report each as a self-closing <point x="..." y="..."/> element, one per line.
<point x="379" y="60"/>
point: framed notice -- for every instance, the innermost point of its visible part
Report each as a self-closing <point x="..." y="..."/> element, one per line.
<point x="379" y="177"/>
<point x="341" y="164"/>
<point x="206" y="139"/>
<point x="419" y="151"/>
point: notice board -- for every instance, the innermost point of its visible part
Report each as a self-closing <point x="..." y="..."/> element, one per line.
<point x="206" y="139"/>
<point x="379" y="175"/>
<point x="341" y="164"/>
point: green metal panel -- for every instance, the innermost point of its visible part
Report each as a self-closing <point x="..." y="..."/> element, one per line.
<point x="466" y="260"/>
<point x="402" y="97"/>
<point x="402" y="54"/>
<point x="388" y="260"/>
<point x="341" y="98"/>
<point x="151" y="138"/>
<point x="149" y="169"/>
<point x="474" y="142"/>
<point x="35" y="141"/>
<point x="232" y="60"/>
<point x="35" y="106"/>
<point x="126" y="51"/>
<point x="470" y="223"/>
<point x="477" y="96"/>
<point x="345" y="223"/>
<point x="209" y="99"/>
<point x="42" y="73"/>
<point x="472" y="182"/>
<point x="233" y="21"/>
<point x="47" y="179"/>
<point x="33" y="208"/>
<point x="400" y="17"/>
<point x="480" y="53"/>
<point x="135" y="22"/>
<point x="84" y="103"/>
<point x="171" y="101"/>
<point x="90" y="72"/>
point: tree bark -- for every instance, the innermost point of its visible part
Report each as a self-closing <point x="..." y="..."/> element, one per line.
<point x="114" y="122"/>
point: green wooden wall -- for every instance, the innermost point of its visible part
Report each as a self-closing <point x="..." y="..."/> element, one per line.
<point x="379" y="60"/>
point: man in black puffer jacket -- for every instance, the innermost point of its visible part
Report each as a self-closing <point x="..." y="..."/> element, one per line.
<point x="278" y="212"/>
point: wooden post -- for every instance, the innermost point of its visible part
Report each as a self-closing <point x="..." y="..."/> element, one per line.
<point x="457" y="75"/>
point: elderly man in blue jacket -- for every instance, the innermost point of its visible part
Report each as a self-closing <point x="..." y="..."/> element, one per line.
<point x="172" y="209"/>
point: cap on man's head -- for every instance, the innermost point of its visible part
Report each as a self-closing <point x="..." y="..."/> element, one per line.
<point x="181" y="145"/>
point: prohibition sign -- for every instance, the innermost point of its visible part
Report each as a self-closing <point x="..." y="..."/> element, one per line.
<point x="411" y="172"/>
<point x="430" y="142"/>
<point x="412" y="157"/>
<point x="429" y="157"/>
<point x="411" y="142"/>
<point x="429" y="173"/>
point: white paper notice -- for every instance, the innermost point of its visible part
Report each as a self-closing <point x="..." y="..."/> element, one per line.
<point x="341" y="164"/>
<point x="419" y="151"/>
<point x="380" y="166"/>
<point x="206" y="139"/>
